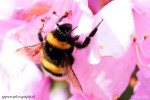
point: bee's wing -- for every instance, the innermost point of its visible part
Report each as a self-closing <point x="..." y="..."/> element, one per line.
<point x="32" y="52"/>
<point x="71" y="77"/>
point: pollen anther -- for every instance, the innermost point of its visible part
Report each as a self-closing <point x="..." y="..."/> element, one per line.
<point x="68" y="13"/>
<point x="145" y="36"/>
<point x="134" y="39"/>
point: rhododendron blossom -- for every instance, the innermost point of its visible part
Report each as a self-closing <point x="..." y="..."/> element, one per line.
<point x="25" y="34"/>
<point x="142" y="31"/>
<point x="103" y="68"/>
<point x="124" y="30"/>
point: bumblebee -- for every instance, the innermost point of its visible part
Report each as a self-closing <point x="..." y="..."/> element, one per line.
<point x="56" y="50"/>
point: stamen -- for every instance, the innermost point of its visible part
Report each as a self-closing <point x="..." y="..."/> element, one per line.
<point x="135" y="39"/>
<point x="54" y="12"/>
<point x="41" y="28"/>
<point x="47" y="18"/>
<point x="68" y="13"/>
<point x="145" y="36"/>
<point x="43" y="20"/>
<point x="137" y="49"/>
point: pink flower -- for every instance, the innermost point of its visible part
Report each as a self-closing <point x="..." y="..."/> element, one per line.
<point x="139" y="49"/>
<point x="110" y="52"/>
<point x="25" y="34"/>
<point x="141" y="18"/>
<point x="103" y="68"/>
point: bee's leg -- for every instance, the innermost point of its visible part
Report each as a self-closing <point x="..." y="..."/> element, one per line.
<point x="43" y="20"/>
<point x="87" y="39"/>
<point x="40" y="37"/>
<point x="75" y="38"/>
<point x="71" y="59"/>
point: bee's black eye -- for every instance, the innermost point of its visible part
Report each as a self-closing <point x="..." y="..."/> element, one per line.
<point x="65" y="29"/>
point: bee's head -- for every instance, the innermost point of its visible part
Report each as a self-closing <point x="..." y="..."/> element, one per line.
<point x="64" y="29"/>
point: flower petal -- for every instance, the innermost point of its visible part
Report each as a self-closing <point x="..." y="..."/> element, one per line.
<point x="8" y="25"/>
<point x="8" y="9"/>
<point x="114" y="34"/>
<point x="106" y="80"/>
<point x="36" y="9"/>
<point x="97" y="5"/>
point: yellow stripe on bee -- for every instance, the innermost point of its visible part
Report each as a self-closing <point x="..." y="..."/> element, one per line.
<point x="50" y="66"/>
<point x="56" y="43"/>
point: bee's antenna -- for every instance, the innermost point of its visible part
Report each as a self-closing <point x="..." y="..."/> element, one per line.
<point x="73" y="29"/>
